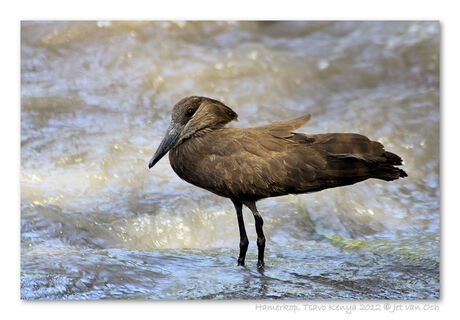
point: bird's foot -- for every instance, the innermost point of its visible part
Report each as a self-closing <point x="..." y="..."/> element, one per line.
<point x="260" y="264"/>
<point x="241" y="262"/>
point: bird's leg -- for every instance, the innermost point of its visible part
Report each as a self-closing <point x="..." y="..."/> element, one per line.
<point x="243" y="237"/>
<point x="260" y="233"/>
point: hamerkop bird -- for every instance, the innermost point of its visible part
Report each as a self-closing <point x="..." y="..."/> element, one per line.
<point x="249" y="164"/>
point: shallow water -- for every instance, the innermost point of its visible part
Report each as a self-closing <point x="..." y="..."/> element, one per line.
<point x="96" y="99"/>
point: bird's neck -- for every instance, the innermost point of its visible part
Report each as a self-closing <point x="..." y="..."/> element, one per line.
<point x="187" y="155"/>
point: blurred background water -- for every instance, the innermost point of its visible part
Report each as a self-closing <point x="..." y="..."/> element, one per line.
<point x="96" y="99"/>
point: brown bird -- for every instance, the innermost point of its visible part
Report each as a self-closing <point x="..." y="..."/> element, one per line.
<point x="249" y="164"/>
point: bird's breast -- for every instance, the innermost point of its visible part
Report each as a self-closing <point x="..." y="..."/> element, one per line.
<point x="182" y="162"/>
<point x="187" y="162"/>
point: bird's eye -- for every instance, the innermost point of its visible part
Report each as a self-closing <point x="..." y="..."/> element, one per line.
<point x="190" y="112"/>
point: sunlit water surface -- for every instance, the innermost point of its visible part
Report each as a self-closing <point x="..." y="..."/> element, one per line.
<point x="96" y="98"/>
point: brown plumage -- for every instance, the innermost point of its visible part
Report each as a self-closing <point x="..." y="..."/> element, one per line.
<point x="249" y="164"/>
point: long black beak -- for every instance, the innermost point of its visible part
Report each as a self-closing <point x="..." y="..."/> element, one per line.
<point x="170" y="139"/>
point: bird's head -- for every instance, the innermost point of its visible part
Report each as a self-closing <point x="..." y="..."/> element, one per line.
<point x="191" y="116"/>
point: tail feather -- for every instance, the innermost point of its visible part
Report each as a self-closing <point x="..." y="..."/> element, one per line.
<point x="371" y="166"/>
<point x="388" y="173"/>
<point x="353" y="155"/>
<point x="350" y="158"/>
<point x="386" y="170"/>
<point x="392" y="158"/>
